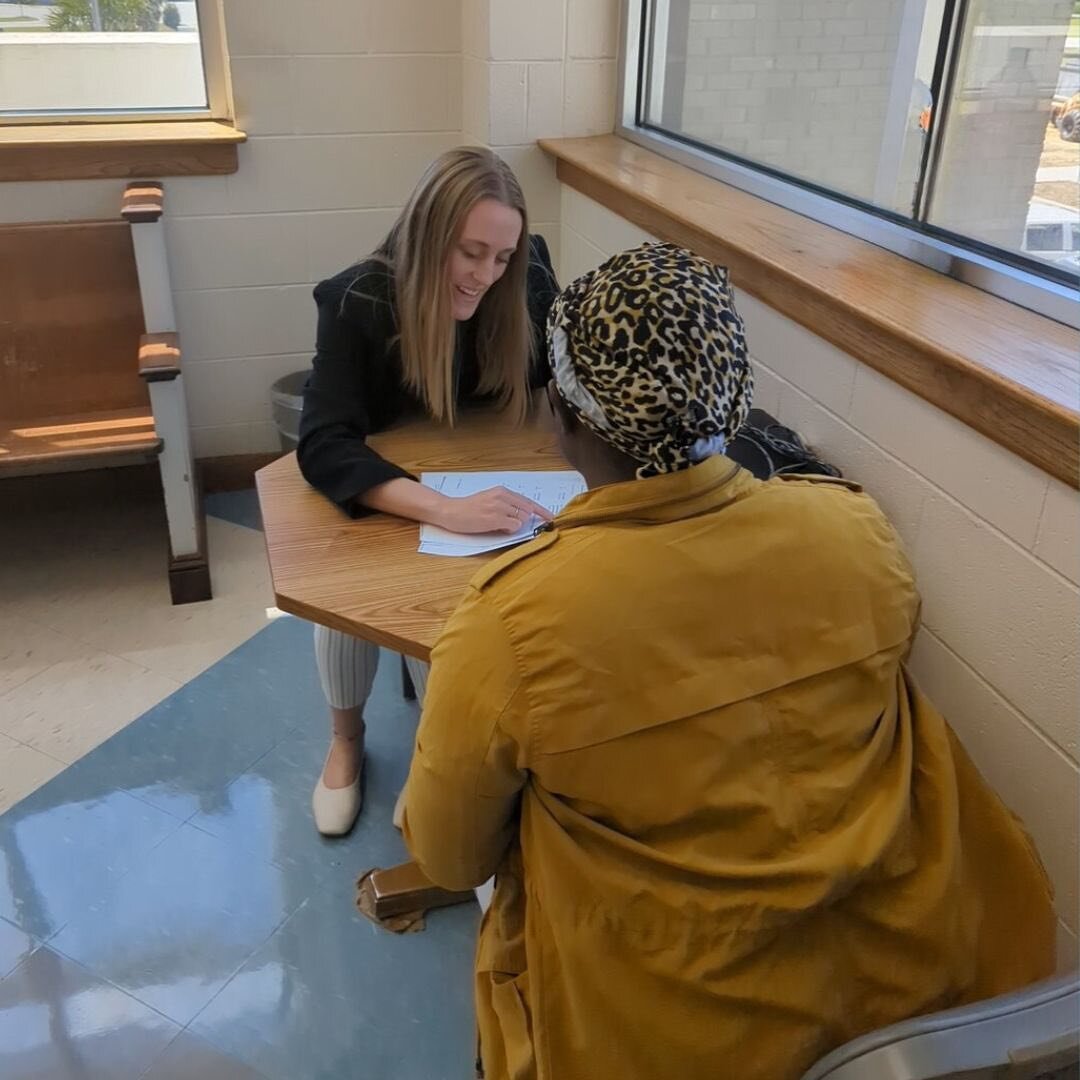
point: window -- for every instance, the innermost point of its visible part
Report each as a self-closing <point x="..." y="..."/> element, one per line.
<point x="947" y="130"/>
<point x="111" y="60"/>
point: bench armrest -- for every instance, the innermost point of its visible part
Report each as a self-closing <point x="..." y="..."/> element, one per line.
<point x="143" y="201"/>
<point x="159" y="357"/>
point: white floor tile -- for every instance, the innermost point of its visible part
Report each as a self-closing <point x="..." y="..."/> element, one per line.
<point x="181" y="652"/>
<point x="22" y="770"/>
<point x="27" y="649"/>
<point x="72" y="706"/>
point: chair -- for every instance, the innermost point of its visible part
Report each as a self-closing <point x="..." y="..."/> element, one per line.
<point x="1032" y="1034"/>
<point x="90" y="364"/>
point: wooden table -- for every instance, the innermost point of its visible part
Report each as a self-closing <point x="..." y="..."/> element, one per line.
<point x="365" y="576"/>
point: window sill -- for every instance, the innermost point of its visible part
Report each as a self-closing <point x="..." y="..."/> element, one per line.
<point x="126" y="151"/>
<point x="1008" y="373"/>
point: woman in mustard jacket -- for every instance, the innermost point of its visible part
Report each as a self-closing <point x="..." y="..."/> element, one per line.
<point x="729" y="832"/>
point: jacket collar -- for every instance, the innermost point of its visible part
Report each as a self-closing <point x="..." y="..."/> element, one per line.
<point x="714" y="483"/>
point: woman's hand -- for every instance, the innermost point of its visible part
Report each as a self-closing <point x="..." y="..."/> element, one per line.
<point x="497" y="509"/>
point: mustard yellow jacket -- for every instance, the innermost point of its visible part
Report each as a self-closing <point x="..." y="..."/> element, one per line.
<point x="730" y="834"/>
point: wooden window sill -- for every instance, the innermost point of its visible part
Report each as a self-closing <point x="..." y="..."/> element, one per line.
<point x="1008" y="373"/>
<point x="130" y="150"/>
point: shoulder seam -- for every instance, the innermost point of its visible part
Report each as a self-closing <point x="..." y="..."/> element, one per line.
<point x="816" y="478"/>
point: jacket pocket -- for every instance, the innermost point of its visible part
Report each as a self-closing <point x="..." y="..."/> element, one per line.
<point x="506" y="1041"/>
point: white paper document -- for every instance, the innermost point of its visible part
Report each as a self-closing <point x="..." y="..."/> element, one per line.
<point x="552" y="490"/>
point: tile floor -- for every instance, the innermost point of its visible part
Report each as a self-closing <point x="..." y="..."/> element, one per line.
<point x="166" y="908"/>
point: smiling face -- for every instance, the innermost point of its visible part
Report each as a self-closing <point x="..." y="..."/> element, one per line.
<point x="481" y="255"/>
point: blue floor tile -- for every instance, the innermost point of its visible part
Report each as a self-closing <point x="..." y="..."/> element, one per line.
<point x="189" y="1058"/>
<point x="173" y="932"/>
<point x="332" y="997"/>
<point x="61" y="1022"/>
<point x="176" y="875"/>
<point x="265" y="812"/>
<point x="239" y="507"/>
<point x="267" y="809"/>
<point x="63" y="845"/>
<point x="15" y="947"/>
<point x="180" y="756"/>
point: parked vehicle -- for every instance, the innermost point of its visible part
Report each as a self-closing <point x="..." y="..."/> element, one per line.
<point x="1066" y="118"/>
<point x="1052" y="232"/>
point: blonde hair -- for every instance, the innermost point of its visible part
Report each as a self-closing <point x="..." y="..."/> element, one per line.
<point x="418" y="250"/>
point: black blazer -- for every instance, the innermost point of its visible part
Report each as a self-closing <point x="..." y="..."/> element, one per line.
<point x="355" y="388"/>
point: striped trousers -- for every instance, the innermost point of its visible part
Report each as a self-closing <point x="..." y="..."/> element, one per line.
<point x="347" y="668"/>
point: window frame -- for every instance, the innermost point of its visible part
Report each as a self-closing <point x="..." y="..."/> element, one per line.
<point x="215" y="59"/>
<point x="955" y="256"/>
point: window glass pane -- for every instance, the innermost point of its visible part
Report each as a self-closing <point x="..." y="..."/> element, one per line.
<point x="834" y="92"/>
<point x="100" y="56"/>
<point x="1009" y="169"/>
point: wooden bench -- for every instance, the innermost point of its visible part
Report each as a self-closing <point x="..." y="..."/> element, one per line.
<point x="90" y="363"/>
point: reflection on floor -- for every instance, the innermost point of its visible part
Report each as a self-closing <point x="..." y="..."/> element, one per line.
<point x="166" y="908"/>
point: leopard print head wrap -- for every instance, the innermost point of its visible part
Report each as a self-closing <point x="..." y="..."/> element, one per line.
<point x="648" y="352"/>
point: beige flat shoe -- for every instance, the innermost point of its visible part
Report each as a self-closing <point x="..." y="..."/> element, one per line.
<point x="399" y="811"/>
<point x="336" y="809"/>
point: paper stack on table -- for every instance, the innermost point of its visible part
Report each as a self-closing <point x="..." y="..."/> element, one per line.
<point x="552" y="490"/>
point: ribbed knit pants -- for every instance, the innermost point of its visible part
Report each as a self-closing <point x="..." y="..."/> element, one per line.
<point x="347" y="668"/>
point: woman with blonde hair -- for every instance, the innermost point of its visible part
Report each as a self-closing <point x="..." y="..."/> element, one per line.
<point x="450" y="309"/>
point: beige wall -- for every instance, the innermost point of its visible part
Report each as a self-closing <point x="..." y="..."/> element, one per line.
<point x="995" y="543"/>
<point x="534" y="70"/>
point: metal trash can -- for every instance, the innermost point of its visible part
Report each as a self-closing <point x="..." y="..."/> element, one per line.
<point x="286" y="398"/>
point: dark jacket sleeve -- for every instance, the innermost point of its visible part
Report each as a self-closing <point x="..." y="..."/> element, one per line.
<point x="345" y="396"/>
<point x="542" y="289"/>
